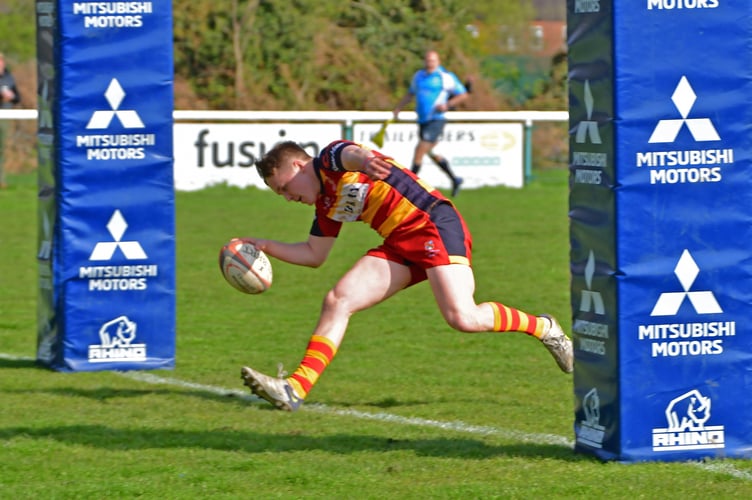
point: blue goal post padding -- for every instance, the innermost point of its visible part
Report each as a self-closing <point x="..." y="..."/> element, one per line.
<point x="661" y="229"/>
<point x="106" y="198"/>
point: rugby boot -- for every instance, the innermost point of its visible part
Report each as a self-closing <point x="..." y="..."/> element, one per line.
<point x="277" y="391"/>
<point x="558" y="344"/>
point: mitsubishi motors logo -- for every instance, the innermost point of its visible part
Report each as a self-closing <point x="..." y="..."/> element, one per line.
<point x="588" y="160"/>
<point x="44" y="255"/>
<point x="697" y="337"/>
<point x="588" y="129"/>
<point x="591" y="324"/>
<point x="100" y="144"/>
<point x="107" y="277"/>
<point x="684" y="98"/>
<point x="669" y="302"/>
<point x="591" y="301"/>
<point x="689" y="164"/>
<point x="45" y="246"/>
<point x="128" y="118"/>
<point x="104" y="250"/>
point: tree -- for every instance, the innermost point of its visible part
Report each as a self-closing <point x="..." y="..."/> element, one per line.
<point x="326" y="54"/>
<point x="18" y="30"/>
<point x="242" y="22"/>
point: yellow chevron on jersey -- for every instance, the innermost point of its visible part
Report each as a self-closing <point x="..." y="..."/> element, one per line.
<point x="400" y="212"/>
<point x="379" y="192"/>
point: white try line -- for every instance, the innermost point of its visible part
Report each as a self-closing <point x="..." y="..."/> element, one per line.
<point x="456" y="426"/>
<point x="383" y="417"/>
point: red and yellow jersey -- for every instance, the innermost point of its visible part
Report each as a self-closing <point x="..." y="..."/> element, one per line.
<point x="398" y="204"/>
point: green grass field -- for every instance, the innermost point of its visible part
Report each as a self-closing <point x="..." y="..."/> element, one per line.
<point x="408" y="409"/>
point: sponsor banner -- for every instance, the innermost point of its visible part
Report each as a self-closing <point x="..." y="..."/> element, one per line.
<point x="47" y="328"/>
<point x="107" y="234"/>
<point x="593" y="227"/>
<point x="211" y="153"/>
<point x="683" y="239"/>
<point x="483" y="154"/>
<point x="673" y="286"/>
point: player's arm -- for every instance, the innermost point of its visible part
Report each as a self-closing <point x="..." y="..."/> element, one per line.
<point x="355" y="158"/>
<point x="310" y="253"/>
<point x="452" y="102"/>
<point x="456" y="100"/>
<point x="401" y="104"/>
<point x="458" y="94"/>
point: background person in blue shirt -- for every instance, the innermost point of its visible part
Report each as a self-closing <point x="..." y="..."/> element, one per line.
<point x="436" y="90"/>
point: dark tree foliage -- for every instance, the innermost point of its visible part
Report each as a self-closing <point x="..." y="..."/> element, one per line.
<point x="323" y="54"/>
<point x="328" y="54"/>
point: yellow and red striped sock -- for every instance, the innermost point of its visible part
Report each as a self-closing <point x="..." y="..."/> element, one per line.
<point x="509" y="319"/>
<point x="318" y="355"/>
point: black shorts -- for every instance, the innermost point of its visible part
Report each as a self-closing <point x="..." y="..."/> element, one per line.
<point x="431" y="131"/>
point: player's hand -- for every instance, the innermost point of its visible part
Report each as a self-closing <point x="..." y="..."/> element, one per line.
<point x="259" y="243"/>
<point x="377" y="168"/>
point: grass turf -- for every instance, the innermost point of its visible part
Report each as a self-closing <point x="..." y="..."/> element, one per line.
<point x="408" y="409"/>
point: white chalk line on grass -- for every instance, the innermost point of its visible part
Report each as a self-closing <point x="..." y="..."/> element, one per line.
<point x="723" y="468"/>
<point x="383" y="417"/>
<point x="456" y="426"/>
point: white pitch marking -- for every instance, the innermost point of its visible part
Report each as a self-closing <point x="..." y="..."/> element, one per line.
<point x="716" y="467"/>
<point x="384" y="417"/>
<point x="457" y="426"/>
<point x="723" y="468"/>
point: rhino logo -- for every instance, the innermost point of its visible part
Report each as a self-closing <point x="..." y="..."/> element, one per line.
<point x="592" y="406"/>
<point x="119" y="332"/>
<point x="688" y="412"/>
<point x="591" y="432"/>
<point x="686" y="416"/>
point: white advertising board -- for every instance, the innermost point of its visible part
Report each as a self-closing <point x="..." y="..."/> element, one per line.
<point x="483" y="154"/>
<point x="207" y="154"/>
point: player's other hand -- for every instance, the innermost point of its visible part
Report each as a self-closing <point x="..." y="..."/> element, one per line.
<point x="377" y="168"/>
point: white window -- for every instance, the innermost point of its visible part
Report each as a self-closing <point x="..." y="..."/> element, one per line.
<point x="536" y="37"/>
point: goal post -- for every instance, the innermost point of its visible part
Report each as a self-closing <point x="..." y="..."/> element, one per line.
<point x="106" y="212"/>
<point x="661" y="227"/>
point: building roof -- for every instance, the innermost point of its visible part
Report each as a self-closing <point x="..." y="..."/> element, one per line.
<point x="550" y="10"/>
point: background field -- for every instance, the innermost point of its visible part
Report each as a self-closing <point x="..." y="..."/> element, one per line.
<point x="408" y="409"/>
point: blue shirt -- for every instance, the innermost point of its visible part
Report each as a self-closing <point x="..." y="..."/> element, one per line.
<point x="433" y="89"/>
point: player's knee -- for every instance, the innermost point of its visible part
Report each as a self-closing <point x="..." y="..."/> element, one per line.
<point x="335" y="302"/>
<point x="331" y="300"/>
<point x="461" y="321"/>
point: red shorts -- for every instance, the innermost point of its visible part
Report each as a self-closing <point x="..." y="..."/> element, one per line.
<point x="444" y="239"/>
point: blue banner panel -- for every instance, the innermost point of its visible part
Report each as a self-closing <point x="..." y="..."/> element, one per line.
<point x="47" y="327"/>
<point x="683" y="108"/>
<point x="592" y="228"/>
<point x="674" y="270"/>
<point x="113" y="255"/>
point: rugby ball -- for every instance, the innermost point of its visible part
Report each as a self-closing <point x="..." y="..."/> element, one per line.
<point x="245" y="267"/>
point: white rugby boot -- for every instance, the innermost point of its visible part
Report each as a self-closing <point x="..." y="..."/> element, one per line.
<point x="277" y="391"/>
<point x="558" y="344"/>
